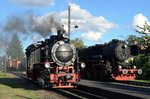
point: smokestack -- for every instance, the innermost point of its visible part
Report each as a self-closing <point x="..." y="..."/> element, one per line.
<point x="60" y="32"/>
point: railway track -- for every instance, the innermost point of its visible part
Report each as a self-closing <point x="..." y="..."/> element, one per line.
<point x="108" y="94"/>
<point x="68" y="93"/>
<point x="135" y="83"/>
<point x="142" y="84"/>
<point x="88" y="92"/>
<point x="78" y="94"/>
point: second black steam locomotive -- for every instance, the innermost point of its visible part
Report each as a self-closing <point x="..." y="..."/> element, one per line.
<point x="53" y="62"/>
<point x="109" y="61"/>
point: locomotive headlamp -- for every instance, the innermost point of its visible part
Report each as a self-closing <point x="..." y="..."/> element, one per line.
<point x="47" y="65"/>
<point x="134" y="67"/>
<point x="140" y="71"/>
<point x="65" y="35"/>
<point x="83" y="65"/>
<point x="120" y="67"/>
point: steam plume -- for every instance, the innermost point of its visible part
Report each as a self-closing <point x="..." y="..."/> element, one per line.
<point x="44" y="25"/>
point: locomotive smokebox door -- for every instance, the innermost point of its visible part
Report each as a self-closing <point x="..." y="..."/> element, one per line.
<point x="119" y="50"/>
<point x="63" y="53"/>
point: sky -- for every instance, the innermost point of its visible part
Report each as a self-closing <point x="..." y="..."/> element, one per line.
<point x="98" y="21"/>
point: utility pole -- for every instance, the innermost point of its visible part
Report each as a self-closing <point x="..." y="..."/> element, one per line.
<point x="5" y="68"/>
<point x="69" y="21"/>
<point x="5" y="65"/>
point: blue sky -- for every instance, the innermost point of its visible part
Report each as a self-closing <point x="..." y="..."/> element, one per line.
<point x="99" y="21"/>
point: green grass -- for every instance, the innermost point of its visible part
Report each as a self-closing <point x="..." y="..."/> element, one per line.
<point x="146" y="81"/>
<point x="10" y="88"/>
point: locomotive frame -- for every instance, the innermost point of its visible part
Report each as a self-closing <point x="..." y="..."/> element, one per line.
<point x="109" y="61"/>
<point x="53" y="62"/>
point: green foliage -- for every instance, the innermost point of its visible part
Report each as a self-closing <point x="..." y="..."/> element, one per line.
<point x="142" y="62"/>
<point x="1" y="63"/>
<point x="145" y="39"/>
<point x="78" y="43"/>
<point x="144" y="30"/>
<point x="15" y="49"/>
<point x="145" y="81"/>
<point x="133" y="39"/>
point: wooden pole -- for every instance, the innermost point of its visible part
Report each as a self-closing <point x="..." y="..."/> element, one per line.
<point x="5" y="57"/>
<point x="69" y="21"/>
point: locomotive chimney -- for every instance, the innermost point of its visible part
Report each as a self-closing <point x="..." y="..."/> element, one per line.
<point x="62" y="33"/>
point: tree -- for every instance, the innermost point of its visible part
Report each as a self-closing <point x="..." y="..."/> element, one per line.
<point x="145" y="46"/>
<point x="142" y="60"/>
<point x="15" y="49"/>
<point x="2" y="63"/>
<point x="132" y="39"/>
<point x="78" y="43"/>
<point x="145" y="39"/>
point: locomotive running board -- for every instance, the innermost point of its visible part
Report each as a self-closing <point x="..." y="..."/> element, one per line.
<point x="122" y="77"/>
<point x="63" y="87"/>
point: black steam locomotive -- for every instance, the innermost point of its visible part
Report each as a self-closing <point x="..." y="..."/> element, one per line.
<point x="109" y="61"/>
<point x="53" y="62"/>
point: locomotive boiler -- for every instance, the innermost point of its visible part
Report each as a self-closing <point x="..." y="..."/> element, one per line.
<point x="109" y="61"/>
<point x="53" y="62"/>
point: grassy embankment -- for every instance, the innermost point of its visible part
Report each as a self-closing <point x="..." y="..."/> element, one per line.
<point x="12" y="88"/>
<point x="146" y="81"/>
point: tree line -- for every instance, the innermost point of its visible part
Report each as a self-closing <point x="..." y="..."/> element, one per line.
<point x="13" y="50"/>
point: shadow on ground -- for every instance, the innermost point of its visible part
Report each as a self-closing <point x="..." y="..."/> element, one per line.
<point x="19" y="83"/>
